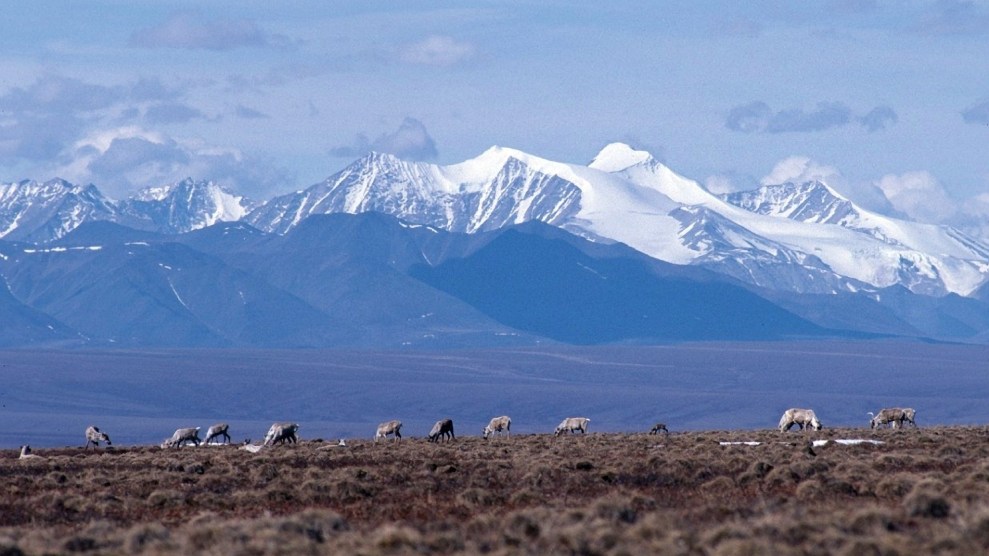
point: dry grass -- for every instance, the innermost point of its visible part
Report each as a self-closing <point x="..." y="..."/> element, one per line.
<point x="923" y="491"/>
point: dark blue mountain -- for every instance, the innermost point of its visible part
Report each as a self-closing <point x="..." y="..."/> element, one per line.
<point x="353" y="267"/>
<point x="100" y="232"/>
<point x="370" y="280"/>
<point x="550" y="288"/>
<point x="22" y="325"/>
<point x="161" y="294"/>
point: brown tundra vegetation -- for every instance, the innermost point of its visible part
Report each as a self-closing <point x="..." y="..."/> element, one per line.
<point x="923" y="491"/>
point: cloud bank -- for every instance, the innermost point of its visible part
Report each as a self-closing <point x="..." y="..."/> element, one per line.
<point x="758" y="117"/>
<point x="919" y="195"/>
<point x="102" y="134"/>
<point x="43" y="118"/>
<point x="124" y="159"/>
<point x="410" y="141"/>
<point x="188" y="30"/>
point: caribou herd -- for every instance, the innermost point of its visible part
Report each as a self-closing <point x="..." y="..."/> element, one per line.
<point x="287" y="433"/>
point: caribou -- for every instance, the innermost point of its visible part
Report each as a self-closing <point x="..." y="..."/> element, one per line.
<point x="572" y="424"/>
<point x="389" y="427"/>
<point x="281" y="433"/>
<point x="216" y="431"/>
<point x="659" y="427"/>
<point x="94" y="436"/>
<point x="801" y="417"/>
<point x="442" y="429"/>
<point x="182" y="436"/>
<point x="894" y="416"/>
<point x="498" y="424"/>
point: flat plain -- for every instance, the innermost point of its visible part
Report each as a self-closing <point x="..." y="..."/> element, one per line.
<point x="48" y="397"/>
<point x="912" y="491"/>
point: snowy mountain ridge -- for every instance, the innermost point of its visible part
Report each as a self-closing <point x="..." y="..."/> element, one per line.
<point x="37" y="212"/>
<point x="798" y="237"/>
<point x="770" y="237"/>
<point x="40" y="212"/>
<point x="185" y="206"/>
<point x="812" y="201"/>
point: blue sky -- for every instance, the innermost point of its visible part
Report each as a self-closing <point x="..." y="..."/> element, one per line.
<point x="889" y="101"/>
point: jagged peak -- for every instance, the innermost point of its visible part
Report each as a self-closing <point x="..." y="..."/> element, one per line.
<point x="789" y="189"/>
<point x="378" y="155"/>
<point x="162" y="192"/>
<point x="379" y="158"/>
<point x="61" y="183"/>
<point x="56" y="185"/>
<point x="812" y="185"/>
<point x="54" y="182"/>
<point x="806" y="201"/>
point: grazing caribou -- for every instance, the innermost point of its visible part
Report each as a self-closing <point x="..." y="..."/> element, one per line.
<point x="498" y="424"/>
<point x="572" y="424"/>
<point x="389" y="427"/>
<point x="803" y="418"/>
<point x="182" y="436"/>
<point x="94" y="436"/>
<point x="442" y="429"/>
<point x="281" y="433"/>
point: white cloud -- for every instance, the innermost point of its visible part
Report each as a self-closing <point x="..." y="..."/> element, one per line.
<point x="919" y="195"/>
<point x="720" y="185"/>
<point x="758" y="117"/>
<point x="437" y="51"/>
<point x="730" y="182"/>
<point x="121" y="160"/>
<point x="800" y="169"/>
<point x="410" y="141"/>
<point x="973" y="217"/>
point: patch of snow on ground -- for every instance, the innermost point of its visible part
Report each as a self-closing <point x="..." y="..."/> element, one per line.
<point x="847" y="441"/>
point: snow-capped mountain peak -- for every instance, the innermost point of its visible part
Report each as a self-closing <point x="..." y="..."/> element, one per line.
<point x="42" y="211"/>
<point x="640" y="168"/>
<point x="616" y="157"/>
<point x="812" y="202"/>
<point x="186" y="205"/>
<point x="154" y="193"/>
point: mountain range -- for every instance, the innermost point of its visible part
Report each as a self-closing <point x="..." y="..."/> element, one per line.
<point x="506" y="248"/>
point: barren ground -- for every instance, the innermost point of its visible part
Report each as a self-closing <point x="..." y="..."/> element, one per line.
<point x="921" y="491"/>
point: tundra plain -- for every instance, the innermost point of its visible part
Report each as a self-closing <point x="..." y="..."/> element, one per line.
<point x="914" y="491"/>
<point x="49" y="397"/>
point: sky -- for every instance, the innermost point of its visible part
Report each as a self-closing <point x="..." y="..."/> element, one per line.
<point x="888" y="102"/>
